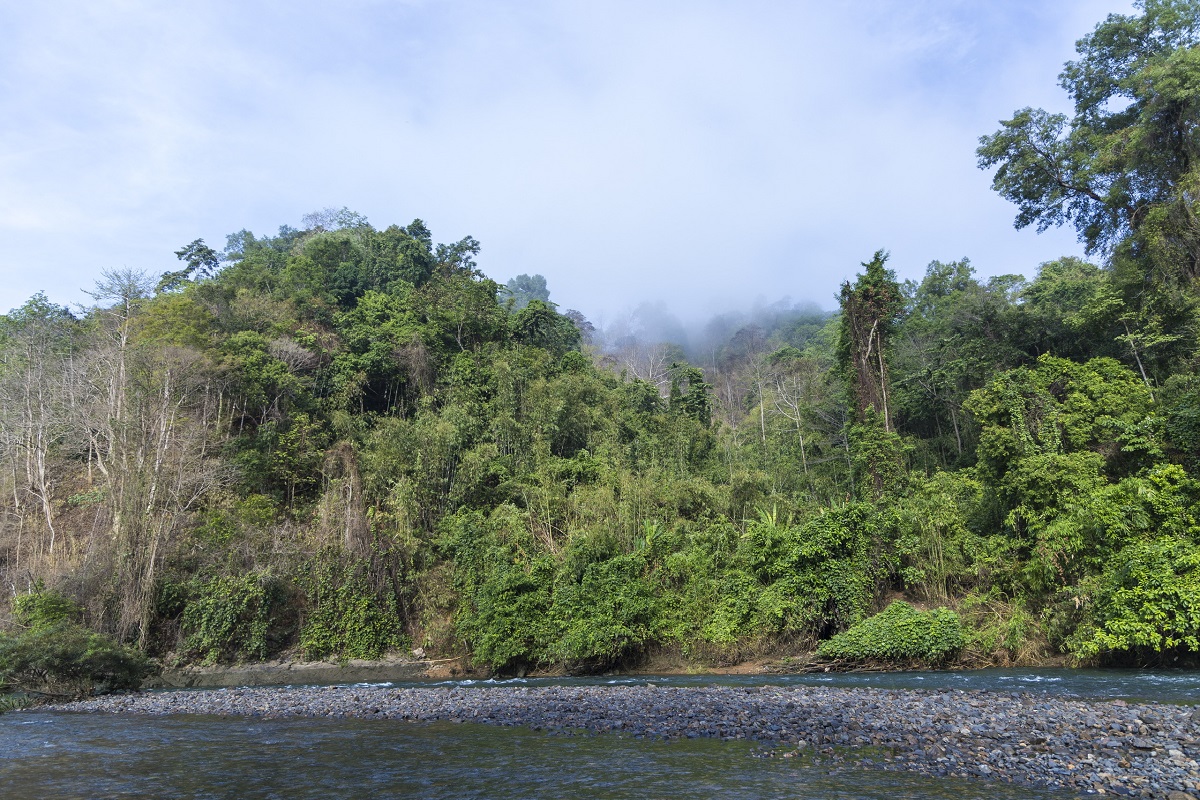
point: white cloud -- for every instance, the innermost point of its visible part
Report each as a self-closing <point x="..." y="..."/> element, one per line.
<point x="701" y="152"/>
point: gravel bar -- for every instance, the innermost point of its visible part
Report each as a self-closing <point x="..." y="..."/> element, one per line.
<point x="1110" y="747"/>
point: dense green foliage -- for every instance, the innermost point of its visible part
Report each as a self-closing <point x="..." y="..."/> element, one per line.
<point x="229" y="616"/>
<point x="347" y="617"/>
<point x="1145" y="603"/>
<point x="899" y="633"/>
<point x="41" y="609"/>
<point x="342" y="441"/>
<point x="68" y="660"/>
<point x="54" y="655"/>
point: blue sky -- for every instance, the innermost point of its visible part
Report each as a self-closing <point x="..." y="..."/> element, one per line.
<point x="708" y="154"/>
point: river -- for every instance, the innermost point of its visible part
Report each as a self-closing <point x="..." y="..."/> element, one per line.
<point x="54" y="755"/>
<point x="1158" y="686"/>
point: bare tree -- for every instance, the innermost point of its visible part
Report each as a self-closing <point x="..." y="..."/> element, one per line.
<point x="35" y="354"/>
<point x="797" y="388"/>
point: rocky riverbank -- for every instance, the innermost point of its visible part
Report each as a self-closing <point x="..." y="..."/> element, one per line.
<point x="1141" y="750"/>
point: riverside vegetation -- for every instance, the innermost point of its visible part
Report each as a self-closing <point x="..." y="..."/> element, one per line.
<point x="343" y="440"/>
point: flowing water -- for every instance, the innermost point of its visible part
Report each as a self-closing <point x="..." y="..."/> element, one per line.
<point x="55" y="755"/>
<point x="46" y="756"/>
<point x="1158" y="686"/>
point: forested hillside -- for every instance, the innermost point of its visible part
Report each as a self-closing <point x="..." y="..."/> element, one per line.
<point x="344" y="440"/>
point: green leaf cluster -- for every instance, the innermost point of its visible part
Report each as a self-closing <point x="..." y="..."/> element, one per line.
<point x="65" y="659"/>
<point x="347" y="617"/>
<point x="1145" y="606"/>
<point x="899" y="633"/>
<point x="44" y="608"/>
<point x="234" y="617"/>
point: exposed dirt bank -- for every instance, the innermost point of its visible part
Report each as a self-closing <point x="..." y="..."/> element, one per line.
<point x="283" y="673"/>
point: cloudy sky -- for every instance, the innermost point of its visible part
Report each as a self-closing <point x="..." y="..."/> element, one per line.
<point x="709" y="154"/>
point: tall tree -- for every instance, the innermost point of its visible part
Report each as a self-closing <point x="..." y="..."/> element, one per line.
<point x="202" y="261"/>
<point x="1129" y="153"/>
<point x="870" y="309"/>
<point x="37" y="344"/>
<point x="1124" y="170"/>
<point x="525" y="288"/>
<point x="147" y="416"/>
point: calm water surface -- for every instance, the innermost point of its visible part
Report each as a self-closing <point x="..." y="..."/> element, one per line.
<point x="44" y="756"/>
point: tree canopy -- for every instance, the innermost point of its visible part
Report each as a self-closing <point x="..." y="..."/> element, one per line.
<point x="1127" y="157"/>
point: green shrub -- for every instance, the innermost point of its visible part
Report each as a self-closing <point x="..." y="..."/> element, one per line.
<point x="13" y="702"/>
<point x="505" y="588"/>
<point x="44" y="608"/>
<point x="607" y="615"/>
<point x="939" y="553"/>
<point x="795" y="579"/>
<point x="347" y="617"/>
<point x="508" y="618"/>
<point x="899" y="633"/>
<point x="68" y="660"/>
<point x="999" y="628"/>
<point x="229" y="617"/>
<point x="1145" y="606"/>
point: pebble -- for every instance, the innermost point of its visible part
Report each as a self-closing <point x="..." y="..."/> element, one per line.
<point x="1129" y="749"/>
